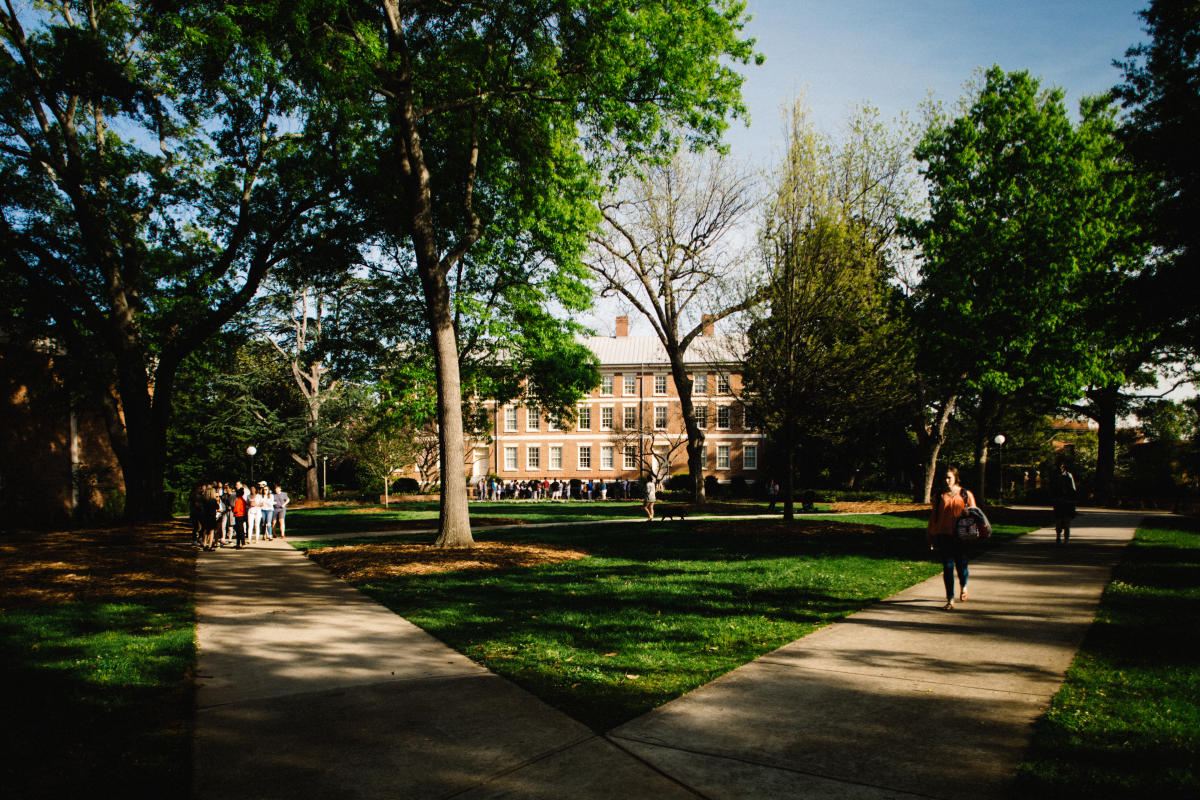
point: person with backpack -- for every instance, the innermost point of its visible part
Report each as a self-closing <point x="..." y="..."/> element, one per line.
<point x="241" y="510"/>
<point x="942" y="536"/>
<point x="1063" y="494"/>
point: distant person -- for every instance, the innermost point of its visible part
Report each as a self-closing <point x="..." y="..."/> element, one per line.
<point x="941" y="535"/>
<point x="268" y="511"/>
<point x="241" y="510"/>
<point x="209" y="518"/>
<point x="1063" y="494"/>
<point x="650" y="497"/>
<point x="280" y="502"/>
<point x="772" y="494"/>
<point x="195" y="511"/>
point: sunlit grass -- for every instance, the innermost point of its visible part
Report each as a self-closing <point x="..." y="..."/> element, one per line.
<point x="1127" y="721"/>
<point x="657" y="611"/>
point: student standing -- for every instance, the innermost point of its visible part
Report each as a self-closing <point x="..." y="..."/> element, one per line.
<point x="281" y="501"/>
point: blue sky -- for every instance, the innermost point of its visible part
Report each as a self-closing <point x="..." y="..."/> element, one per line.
<point x="892" y="54"/>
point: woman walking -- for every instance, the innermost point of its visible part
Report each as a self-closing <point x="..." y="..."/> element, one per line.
<point x="254" y="512"/>
<point x="240" y="512"/>
<point x="268" y="511"/>
<point x="941" y="535"/>
<point x="651" y="496"/>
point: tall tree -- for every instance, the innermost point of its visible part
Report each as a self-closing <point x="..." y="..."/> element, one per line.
<point x="1009" y="248"/>
<point x="1161" y="96"/>
<point x="154" y="169"/>
<point x="668" y="247"/>
<point x="499" y="116"/>
<point x="823" y="352"/>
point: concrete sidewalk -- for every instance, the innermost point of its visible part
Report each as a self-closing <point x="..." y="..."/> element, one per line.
<point x="309" y="689"/>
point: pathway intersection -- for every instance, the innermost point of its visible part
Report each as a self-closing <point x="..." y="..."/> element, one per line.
<point x="309" y="689"/>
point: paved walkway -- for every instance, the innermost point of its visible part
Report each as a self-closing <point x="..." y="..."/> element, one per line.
<point x="309" y="689"/>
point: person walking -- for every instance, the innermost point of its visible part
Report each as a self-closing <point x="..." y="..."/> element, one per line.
<point x="648" y="500"/>
<point x="1063" y="495"/>
<point x="281" y="500"/>
<point x="772" y="493"/>
<point x="940" y="533"/>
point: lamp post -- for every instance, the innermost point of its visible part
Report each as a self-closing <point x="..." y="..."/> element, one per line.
<point x="324" y="475"/>
<point x="1000" y="440"/>
<point x="250" y="451"/>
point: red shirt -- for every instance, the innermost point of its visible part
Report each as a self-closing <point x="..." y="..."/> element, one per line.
<point x="946" y="509"/>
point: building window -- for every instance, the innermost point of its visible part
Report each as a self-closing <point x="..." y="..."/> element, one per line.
<point x="556" y="456"/>
<point x="630" y="457"/>
<point x="700" y="384"/>
<point x="722" y="456"/>
<point x="701" y="415"/>
<point x="533" y="419"/>
<point x="660" y="384"/>
<point x="750" y="456"/>
<point x="630" y="413"/>
<point x="585" y="418"/>
<point x="722" y="384"/>
<point x="606" y="418"/>
<point x="552" y="424"/>
<point x="585" y="456"/>
<point x="510" y="418"/>
<point x="630" y="385"/>
<point x="606" y="457"/>
<point x="606" y="385"/>
<point x="723" y="418"/>
<point x="533" y="457"/>
<point x="660" y="418"/>
<point x="510" y="458"/>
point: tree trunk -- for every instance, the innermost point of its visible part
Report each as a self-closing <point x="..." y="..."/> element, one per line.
<point x="989" y="409"/>
<point x="454" y="528"/>
<point x="695" y="436"/>
<point x="1104" y="402"/>
<point x="312" y="477"/>
<point x="931" y="439"/>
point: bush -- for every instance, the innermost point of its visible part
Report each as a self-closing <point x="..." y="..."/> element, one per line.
<point x="405" y="486"/>
<point x="738" y="487"/>
<point x="712" y="486"/>
<point x="681" y="482"/>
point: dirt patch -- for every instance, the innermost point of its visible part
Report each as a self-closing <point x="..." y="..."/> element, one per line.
<point x="99" y="564"/>
<point x="370" y="561"/>
<point x="875" y="507"/>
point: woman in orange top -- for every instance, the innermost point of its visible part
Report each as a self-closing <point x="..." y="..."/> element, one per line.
<point x="941" y="535"/>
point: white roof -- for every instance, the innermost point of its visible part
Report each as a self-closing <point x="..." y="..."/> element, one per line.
<point x="635" y="351"/>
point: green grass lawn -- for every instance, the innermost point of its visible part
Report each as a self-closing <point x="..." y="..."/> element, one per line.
<point x="410" y="515"/>
<point x="97" y="646"/>
<point x="1127" y="721"/>
<point x="658" y="610"/>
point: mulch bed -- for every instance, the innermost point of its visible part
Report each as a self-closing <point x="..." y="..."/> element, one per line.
<point x="97" y="564"/>
<point x="384" y="560"/>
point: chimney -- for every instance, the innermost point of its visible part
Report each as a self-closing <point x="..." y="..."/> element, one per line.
<point x="622" y="326"/>
<point x="709" y="325"/>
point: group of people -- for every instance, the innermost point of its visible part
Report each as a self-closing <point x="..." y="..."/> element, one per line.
<point x="223" y="514"/>
<point x="954" y="552"/>
<point x="546" y="489"/>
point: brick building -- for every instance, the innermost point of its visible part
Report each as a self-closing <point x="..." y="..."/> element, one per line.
<point x="631" y="423"/>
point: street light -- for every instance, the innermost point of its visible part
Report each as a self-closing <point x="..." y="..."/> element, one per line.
<point x="250" y="451"/>
<point x="1000" y="440"/>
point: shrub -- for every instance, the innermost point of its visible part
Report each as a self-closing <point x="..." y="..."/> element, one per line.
<point x="681" y="482"/>
<point x="405" y="486"/>
<point x="738" y="487"/>
<point x="712" y="486"/>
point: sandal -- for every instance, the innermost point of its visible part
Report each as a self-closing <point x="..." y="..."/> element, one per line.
<point x="962" y="598"/>
<point x="949" y="606"/>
